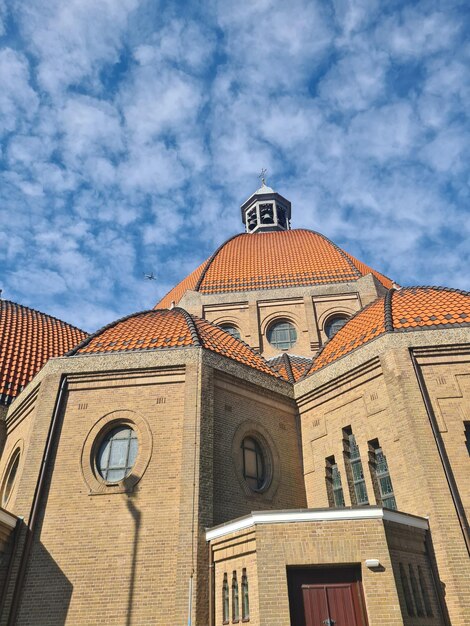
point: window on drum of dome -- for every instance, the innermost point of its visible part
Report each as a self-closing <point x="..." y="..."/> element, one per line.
<point x="117" y="454"/>
<point x="254" y="466"/>
<point x="10" y="476"/>
<point x="282" y="335"/>
<point x="333" y="324"/>
<point x="232" y="330"/>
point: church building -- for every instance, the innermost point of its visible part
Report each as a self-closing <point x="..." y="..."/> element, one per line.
<point x="284" y="439"/>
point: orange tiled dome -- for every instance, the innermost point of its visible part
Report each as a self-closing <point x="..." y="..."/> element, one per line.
<point x="270" y="260"/>
<point x="28" y="338"/>
<point x="407" y="309"/>
<point x="164" y="329"/>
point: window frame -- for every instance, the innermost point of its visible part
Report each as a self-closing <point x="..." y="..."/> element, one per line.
<point x="331" y="319"/>
<point x="9" y="480"/>
<point x="260" y="460"/>
<point x="228" y="327"/>
<point x="106" y="438"/>
<point x="292" y="331"/>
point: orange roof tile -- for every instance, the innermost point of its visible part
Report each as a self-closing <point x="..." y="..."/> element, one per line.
<point x="407" y="309"/>
<point x="169" y="328"/>
<point x="28" y="339"/>
<point x="290" y="366"/>
<point x="272" y="260"/>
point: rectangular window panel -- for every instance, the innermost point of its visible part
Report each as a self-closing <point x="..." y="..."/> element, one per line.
<point x="250" y="463"/>
<point x="118" y="457"/>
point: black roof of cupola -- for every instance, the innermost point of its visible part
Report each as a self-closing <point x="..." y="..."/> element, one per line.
<point x="266" y="210"/>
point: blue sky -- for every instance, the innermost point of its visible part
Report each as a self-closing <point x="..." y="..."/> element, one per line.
<point x="131" y="131"/>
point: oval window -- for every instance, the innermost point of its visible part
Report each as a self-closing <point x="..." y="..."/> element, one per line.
<point x="334" y="324"/>
<point x="232" y="330"/>
<point x="254" y="466"/>
<point x="10" y="477"/>
<point x="117" y="454"/>
<point x="282" y="335"/>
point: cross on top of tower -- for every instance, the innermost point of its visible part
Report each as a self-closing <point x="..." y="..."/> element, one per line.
<point x="262" y="175"/>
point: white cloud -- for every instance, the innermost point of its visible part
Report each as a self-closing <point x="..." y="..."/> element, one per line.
<point x="72" y="40"/>
<point x="18" y="101"/>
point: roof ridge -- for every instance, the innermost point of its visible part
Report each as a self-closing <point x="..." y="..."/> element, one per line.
<point x="211" y="259"/>
<point x="317" y="355"/>
<point x="191" y="325"/>
<point x="290" y="373"/>
<point x="53" y="317"/>
<point x="239" y="339"/>
<point x="101" y="330"/>
<point x="388" y="316"/>
<point x="436" y="288"/>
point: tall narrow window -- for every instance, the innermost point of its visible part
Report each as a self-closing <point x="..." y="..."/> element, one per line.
<point x="467" y="436"/>
<point x="357" y="483"/>
<point x="416" y="593"/>
<point x="225" y="601"/>
<point x="235" y="605"/>
<point x="333" y="483"/>
<point x="406" y="591"/>
<point x="424" y="592"/>
<point x="381" y="476"/>
<point x="245" y="598"/>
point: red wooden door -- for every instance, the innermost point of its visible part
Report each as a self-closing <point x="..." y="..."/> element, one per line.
<point x="329" y="605"/>
<point x="326" y="597"/>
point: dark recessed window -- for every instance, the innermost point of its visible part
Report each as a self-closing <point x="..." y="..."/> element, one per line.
<point x="282" y="335"/>
<point x="117" y="454"/>
<point x="254" y="467"/>
<point x="232" y="330"/>
<point x="10" y="477"/>
<point x="245" y="597"/>
<point x="334" y="324"/>
<point x="225" y="601"/>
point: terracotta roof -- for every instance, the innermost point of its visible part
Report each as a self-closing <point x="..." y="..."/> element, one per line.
<point x="272" y="260"/>
<point x="290" y="366"/>
<point x="28" y="338"/>
<point x="407" y="309"/>
<point x="169" y="328"/>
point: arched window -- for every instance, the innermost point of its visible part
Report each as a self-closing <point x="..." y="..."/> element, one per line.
<point x="10" y="476"/>
<point x="333" y="483"/>
<point x="333" y="324"/>
<point x="245" y="597"/>
<point x="353" y="462"/>
<point x="232" y="330"/>
<point x="254" y="467"/>
<point x="282" y="334"/>
<point x="235" y="604"/>
<point x="225" y="601"/>
<point x="381" y="476"/>
<point x="117" y="454"/>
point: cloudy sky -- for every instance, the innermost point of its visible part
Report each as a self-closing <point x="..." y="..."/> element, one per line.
<point x="132" y="130"/>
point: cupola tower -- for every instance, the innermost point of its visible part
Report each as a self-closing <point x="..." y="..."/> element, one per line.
<point x="266" y="210"/>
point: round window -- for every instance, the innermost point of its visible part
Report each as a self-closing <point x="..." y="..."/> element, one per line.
<point x="117" y="454"/>
<point x="282" y="335"/>
<point x="254" y="465"/>
<point x="10" y="477"/>
<point x="334" y="324"/>
<point x="232" y="330"/>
